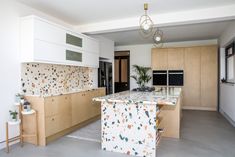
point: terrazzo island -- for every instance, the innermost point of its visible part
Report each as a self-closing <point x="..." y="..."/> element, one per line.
<point x="130" y="121"/>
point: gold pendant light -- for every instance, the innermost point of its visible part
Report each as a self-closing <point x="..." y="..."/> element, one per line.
<point x="147" y="28"/>
<point x="146" y="23"/>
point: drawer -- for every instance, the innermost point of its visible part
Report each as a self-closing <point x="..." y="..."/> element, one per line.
<point x="51" y="106"/>
<point x="52" y="125"/>
<point x="65" y="121"/>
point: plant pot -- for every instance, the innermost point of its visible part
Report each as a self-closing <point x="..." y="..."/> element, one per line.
<point x="22" y="101"/>
<point x="14" y="120"/>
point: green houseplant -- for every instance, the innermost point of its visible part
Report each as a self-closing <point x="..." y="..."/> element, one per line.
<point x="141" y="77"/>
<point x="13" y="115"/>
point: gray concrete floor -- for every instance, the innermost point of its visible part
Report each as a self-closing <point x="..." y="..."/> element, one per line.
<point x="203" y="134"/>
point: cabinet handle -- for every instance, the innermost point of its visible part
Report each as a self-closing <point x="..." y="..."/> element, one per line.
<point x="52" y="100"/>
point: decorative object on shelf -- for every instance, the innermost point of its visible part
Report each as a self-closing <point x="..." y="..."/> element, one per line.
<point x="13" y="115"/>
<point x="157" y="38"/>
<point x="19" y="99"/>
<point x="147" y="28"/>
<point x="146" y="23"/>
<point x="142" y="78"/>
<point x="26" y="106"/>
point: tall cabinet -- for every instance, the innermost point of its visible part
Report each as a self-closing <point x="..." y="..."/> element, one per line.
<point x="200" y="65"/>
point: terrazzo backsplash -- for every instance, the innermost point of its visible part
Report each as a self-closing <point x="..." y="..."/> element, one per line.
<point x="49" y="79"/>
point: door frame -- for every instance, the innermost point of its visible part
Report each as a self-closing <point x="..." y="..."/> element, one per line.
<point x="128" y="67"/>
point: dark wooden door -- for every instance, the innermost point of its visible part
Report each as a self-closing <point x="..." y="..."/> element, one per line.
<point x="122" y="73"/>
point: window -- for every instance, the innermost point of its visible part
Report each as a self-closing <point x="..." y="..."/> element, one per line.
<point x="230" y="63"/>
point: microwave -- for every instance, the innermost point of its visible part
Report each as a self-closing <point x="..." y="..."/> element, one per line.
<point x="160" y="77"/>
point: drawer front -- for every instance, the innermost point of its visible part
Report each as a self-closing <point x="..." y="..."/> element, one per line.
<point x="51" y="106"/>
<point x="65" y="121"/>
<point x="52" y="125"/>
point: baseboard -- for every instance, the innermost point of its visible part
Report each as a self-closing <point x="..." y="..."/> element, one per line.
<point x="202" y="108"/>
<point x="227" y="117"/>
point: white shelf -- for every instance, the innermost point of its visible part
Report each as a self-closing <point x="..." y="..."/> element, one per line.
<point x="14" y="122"/>
<point x="28" y="112"/>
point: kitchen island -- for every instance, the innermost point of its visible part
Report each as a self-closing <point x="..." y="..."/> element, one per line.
<point x="130" y="121"/>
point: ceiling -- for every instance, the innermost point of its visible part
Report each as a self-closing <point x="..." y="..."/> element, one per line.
<point x="201" y="31"/>
<point x="79" y="12"/>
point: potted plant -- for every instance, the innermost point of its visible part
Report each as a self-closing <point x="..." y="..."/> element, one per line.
<point x="13" y="115"/>
<point x="142" y="77"/>
<point x="19" y="98"/>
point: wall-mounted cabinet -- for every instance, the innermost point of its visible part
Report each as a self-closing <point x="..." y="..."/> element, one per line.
<point x="46" y="42"/>
<point x="168" y="58"/>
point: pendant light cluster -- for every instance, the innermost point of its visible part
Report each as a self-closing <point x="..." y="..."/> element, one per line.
<point x="147" y="28"/>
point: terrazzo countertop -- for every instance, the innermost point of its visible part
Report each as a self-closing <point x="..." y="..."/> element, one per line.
<point x="65" y="93"/>
<point x="161" y="97"/>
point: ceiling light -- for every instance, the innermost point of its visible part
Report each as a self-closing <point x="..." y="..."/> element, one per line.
<point x="147" y="28"/>
<point x="157" y="38"/>
<point x="146" y="23"/>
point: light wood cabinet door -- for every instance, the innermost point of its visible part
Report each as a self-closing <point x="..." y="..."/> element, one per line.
<point x="209" y="77"/>
<point x="52" y="125"/>
<point x="159" y="59"/>
<point x="51" y="106"/>
<point x="175" y="58"/>
<point x="192" y="76"/>
<point x="65" y="112"/>
<point x="79" y="107"/>
<point x="96" y="106"/>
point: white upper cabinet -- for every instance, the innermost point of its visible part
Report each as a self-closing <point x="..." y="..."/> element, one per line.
<point x="46" y="42"/>
<point x="91" y="45"/>
<point x="48" y="32"/>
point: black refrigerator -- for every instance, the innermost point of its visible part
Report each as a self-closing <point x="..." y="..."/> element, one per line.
<point x="105" y="76"/>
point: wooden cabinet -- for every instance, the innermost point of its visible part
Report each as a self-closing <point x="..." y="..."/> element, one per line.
<point x="80" y="108"/>
<point x="168" y="58"/>
<point x="192" y="70"/>
<point x="209" y="77"/>
<point x="59" y="115"/>
<point x="159" y="59"/>
<point x="175" y="58"/>
<point x="200" y="65"/>
<point x="51" y="125"/>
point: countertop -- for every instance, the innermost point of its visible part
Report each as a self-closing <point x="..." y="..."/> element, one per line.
<point x="160" y="97"/>
<point x="65" y="93"/>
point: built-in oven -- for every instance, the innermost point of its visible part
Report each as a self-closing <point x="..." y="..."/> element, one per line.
<point x="176" y="77"/>
<point x="160" y="77"/>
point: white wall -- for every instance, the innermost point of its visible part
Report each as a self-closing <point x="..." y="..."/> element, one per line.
<point x="141" y="54"/>
<point x="227" y="91"/>
<point x="9" y="60"/>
